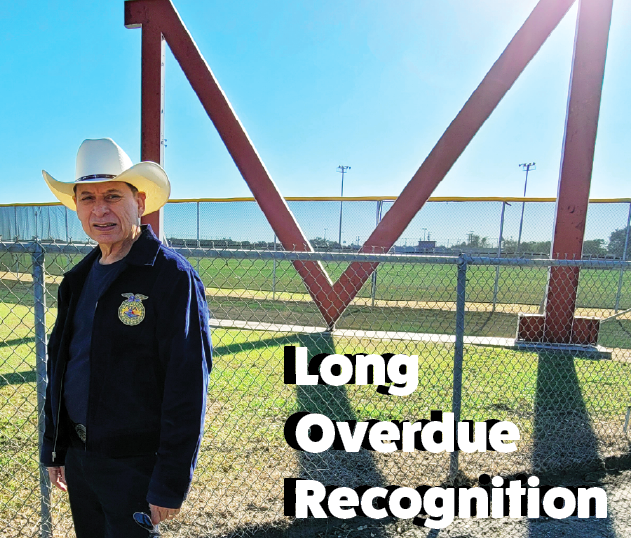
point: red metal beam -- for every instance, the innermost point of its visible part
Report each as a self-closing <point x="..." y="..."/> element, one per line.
<point x="161" y="15"/>
<point x="588" y="69"/>
<point x="522" y="48"/>
<point x="152" y="113"/>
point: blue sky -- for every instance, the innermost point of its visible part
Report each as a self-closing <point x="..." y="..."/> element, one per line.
<point x="366" y="83"/>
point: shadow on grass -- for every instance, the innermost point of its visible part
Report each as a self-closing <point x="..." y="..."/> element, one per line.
<point x="332" y="467"/>
<point x="17" y="341"/>
<point x="565" y="446"/>
<point x="263" y="343"/>
<point x="18" y="378"/>
<point x="615" y="333"/>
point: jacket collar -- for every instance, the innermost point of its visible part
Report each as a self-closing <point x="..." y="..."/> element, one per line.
<point x="143" y="252"/>
<point x="145" y="249"/>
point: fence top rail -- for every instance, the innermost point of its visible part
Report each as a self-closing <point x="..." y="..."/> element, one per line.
<point x="63" y="248"/>
<point x="357" y="199"/>
<point x="547" y="262"/>
<point x="314" y="256"/>
<point x="31" y="247"/>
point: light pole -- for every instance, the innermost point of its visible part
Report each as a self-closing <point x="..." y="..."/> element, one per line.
<point x="342" y="169"/>
<point x="527" y="167"/>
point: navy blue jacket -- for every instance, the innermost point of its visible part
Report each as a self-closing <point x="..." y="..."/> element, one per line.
<point x="148" y="381"/>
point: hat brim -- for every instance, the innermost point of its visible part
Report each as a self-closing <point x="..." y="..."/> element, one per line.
<point x="147" y="177"/>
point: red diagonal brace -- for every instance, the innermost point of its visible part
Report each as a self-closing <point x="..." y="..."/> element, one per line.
<point x="588" y="69"/>
<point x="522" y="48"/>
<point x="161" y="16"/>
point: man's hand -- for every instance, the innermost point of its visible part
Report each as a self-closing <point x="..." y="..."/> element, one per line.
<point x="57" y="477"/>
<point x="159" y="514"/>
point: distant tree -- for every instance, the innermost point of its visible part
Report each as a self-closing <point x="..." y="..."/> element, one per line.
<point x="474" y="241"/>
<point x="591" y="247"/>
<point x="536" y="247"/>
<point x="319" y="243"/>
<point x="616" y="242"/>
<point x="594" y="247"/>
<point x="509" y="246"/>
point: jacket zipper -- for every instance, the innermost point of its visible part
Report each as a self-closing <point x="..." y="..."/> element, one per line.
<point x="87" y="407"/>
<point x="61" y="393"/>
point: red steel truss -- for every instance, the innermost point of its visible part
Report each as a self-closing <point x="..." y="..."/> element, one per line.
<point x="160" y="21"/>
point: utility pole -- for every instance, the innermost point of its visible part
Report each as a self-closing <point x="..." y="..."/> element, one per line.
<point x="342" y="169"/>
<point x="527" y="167"/>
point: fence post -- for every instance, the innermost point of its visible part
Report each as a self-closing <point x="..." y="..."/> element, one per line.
<point x="68" y="239"/>
<point x="39" y="296"/>
<point x="274" y="274"/>
<point x="624" y="258"/>
<point x="456" y="401"/>
<point x="49" y="224"/>
<point x="198" y="242"/>
<point x="66" y="224"/>
<point x="373" y="286"/>
<point x="499" y="255"/>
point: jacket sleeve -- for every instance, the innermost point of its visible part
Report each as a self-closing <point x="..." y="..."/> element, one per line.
<point x="52" y="352"/>
<point x="185" y="350"/>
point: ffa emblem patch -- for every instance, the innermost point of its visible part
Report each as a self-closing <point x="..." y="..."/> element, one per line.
<point x="132" y="311"/>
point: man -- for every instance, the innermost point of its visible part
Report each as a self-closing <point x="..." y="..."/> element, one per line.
<point x="129" y="356"/>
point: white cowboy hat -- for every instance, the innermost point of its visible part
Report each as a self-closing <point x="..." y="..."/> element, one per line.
<point x="103" y="160"/>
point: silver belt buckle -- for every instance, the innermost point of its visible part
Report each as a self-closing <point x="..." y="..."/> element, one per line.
<point x="81" y="431"/>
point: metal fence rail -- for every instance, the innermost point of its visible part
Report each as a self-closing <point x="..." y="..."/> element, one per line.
<point x="457" y="313"/>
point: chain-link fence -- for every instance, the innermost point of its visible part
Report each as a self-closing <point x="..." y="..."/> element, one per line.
<point x="489" y="226"/>
<point x="458" y="314"/>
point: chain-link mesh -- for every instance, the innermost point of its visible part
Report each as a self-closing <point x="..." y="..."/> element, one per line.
<point x="570" y="403"/>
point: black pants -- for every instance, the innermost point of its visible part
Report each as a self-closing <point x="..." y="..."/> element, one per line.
<point x="105" y="492"/>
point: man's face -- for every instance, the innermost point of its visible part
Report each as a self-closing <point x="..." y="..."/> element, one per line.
<point x="108" y="211"/>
